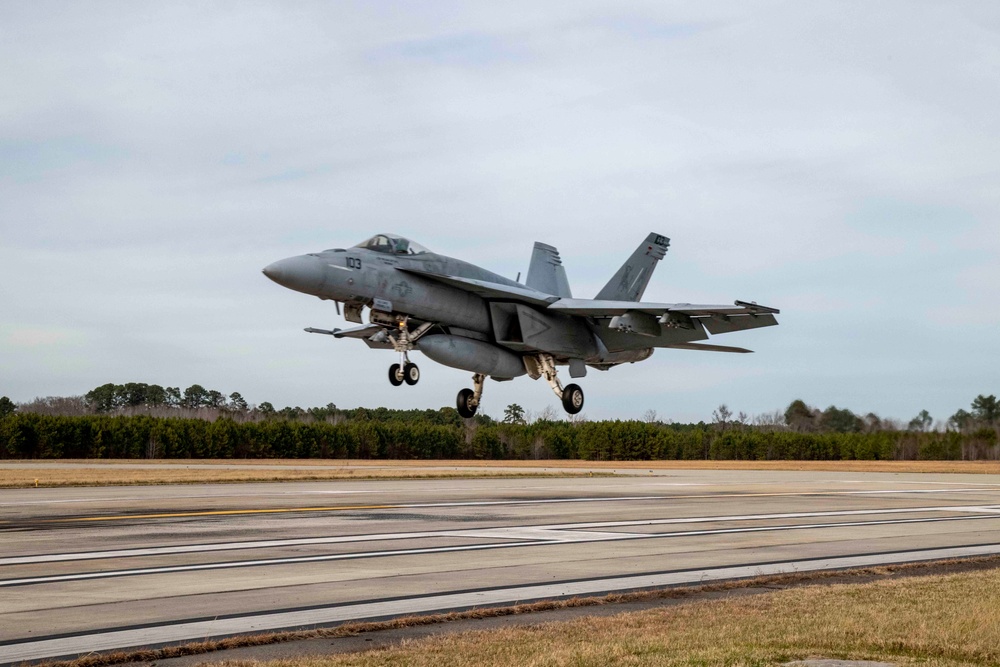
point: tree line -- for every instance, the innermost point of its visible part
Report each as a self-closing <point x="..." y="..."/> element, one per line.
<point x="984" y="412"/>
<point x="137" y="420"/>
<point x="134" y="398"/>
<point x="31" y="435"/>
<point x="139" y="398"/>
<point x="441" y="434"/>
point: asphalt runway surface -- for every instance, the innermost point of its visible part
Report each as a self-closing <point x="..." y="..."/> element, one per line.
<point x="101" y="568"/>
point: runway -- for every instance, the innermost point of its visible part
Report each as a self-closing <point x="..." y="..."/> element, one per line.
<point x="85" y="569"/>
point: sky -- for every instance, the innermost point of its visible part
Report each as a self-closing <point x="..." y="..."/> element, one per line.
<point x="837" y="160"/>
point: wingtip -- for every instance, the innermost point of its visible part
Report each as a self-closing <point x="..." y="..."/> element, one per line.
<point x="756" y="308"/>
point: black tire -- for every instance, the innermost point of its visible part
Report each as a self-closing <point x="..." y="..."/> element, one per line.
<point x="462" y="403"/>
<point x="411" y="374"/>
<point x="395" y="375"/>
<point x="572" y="399"/>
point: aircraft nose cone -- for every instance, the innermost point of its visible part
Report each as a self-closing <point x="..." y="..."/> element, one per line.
<point x="272" y="271"/>
<point x="302" y="273"/>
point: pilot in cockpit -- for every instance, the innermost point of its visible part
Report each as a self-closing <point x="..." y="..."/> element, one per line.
<point x="396" y="245"/>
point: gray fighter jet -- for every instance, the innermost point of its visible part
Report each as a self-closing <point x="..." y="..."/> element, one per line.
<point x="466" y="317"/>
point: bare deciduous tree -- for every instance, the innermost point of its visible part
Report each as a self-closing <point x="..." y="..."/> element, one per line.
<point x="547" y="414"/>
<point x="721" y="416"/>
<point x="770" y="421"/>
<point x="67" y="406"/>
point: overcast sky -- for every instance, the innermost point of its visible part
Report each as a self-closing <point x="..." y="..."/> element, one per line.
<point x="837" y="160"/>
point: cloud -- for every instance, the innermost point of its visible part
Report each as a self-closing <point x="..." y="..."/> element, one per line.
<point x="26" y="337"/>
<point x="468" y="50"/>
<point x="835" y="160"/>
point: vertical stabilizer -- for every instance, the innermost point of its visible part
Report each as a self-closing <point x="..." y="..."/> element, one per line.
<point x="630" y="281"/>
<point x="546" y="272"/>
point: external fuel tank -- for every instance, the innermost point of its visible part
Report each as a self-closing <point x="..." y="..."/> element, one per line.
<point x="471" y="355"/>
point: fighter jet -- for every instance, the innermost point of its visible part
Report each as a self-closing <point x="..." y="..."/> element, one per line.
<point x="466" y="317"/>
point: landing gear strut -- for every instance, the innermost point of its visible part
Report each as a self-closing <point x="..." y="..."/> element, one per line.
<point x="405" y="371"/>
<point x="537" y="365"/>
<point x="467" y="401"/>
<point x="544" y="365"/>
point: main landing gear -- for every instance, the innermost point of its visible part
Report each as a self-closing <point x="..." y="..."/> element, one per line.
<point x="405" y="371"/>
<point x="467" y="401"/>
<point x="538" y="365"/>
<point x="571" y="396"/>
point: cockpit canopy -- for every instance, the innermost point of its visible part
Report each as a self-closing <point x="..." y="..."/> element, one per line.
<point x="392" y="244"/>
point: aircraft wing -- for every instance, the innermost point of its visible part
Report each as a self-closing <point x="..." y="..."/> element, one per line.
<point x="716" y="318"/>
<point x="488" y="290"/>
<point x="602" y="308"/>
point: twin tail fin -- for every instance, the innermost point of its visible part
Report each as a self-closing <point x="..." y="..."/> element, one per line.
<point x="629" y="283"/>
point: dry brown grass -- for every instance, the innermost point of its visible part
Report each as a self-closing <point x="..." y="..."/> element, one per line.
<point x="906" y="615"/>
<point x="969" y="467"/>
<point x="940" y="620"/>
<point x="19" y="474"/>
<point x="22" y="474"/>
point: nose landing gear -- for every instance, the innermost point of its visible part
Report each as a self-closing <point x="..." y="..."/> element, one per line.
<point x="405" y="371"/>
<point x="396" y="375"/>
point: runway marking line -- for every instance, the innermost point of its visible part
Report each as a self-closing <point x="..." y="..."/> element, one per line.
<point x="530" y="541"/>
<point x="476" y="532"/>
<point x="505" y="531"/>
<point x="538" y="501"/>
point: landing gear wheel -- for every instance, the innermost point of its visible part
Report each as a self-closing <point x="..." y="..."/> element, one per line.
<point x="572" y="399"/>
<point x="462" y="403"/>
<point x="411" y="374"/>
<point x="395" y="375"/>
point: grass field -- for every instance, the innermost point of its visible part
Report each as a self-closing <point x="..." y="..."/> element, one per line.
<point x="928" y="620"/>
<point x="20" y="474"/>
